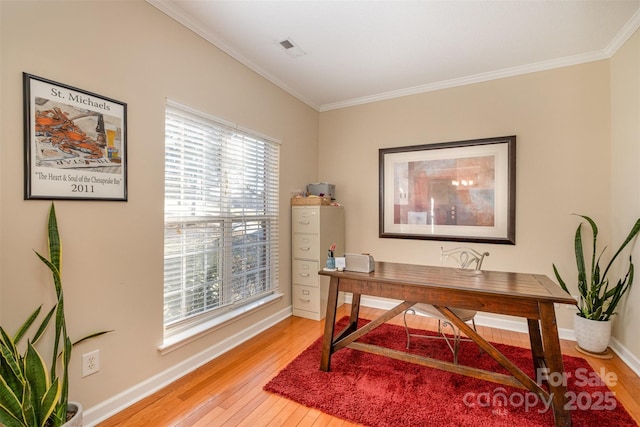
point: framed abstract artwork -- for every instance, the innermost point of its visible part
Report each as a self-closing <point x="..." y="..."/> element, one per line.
<point x="456" y="191"/>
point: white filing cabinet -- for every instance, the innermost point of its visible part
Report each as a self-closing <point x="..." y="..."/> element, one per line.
<point x="313" y="230"/>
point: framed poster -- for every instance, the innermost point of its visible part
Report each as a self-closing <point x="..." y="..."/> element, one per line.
<point x="456" y="191"/>
<point x="75" y="143"/>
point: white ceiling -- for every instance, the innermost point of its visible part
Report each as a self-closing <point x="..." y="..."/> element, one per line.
<point x="363" y="51"/>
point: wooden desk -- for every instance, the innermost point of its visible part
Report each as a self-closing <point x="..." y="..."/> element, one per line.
<point x="530" y="296"/>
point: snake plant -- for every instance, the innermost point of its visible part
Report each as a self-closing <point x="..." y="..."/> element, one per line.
<point x="31" y="394"/>
<point x="598" y="299"/>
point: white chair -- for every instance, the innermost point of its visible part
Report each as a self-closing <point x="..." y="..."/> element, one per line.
<point x="461" y="257"/>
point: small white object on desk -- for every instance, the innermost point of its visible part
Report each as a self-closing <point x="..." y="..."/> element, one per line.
<point x="363" y="263"/>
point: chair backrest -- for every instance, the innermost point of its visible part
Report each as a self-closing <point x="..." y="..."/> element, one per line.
<point x="463" y="257"/>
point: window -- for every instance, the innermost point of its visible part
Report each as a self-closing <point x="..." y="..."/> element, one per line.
<point x="221" y="218"/>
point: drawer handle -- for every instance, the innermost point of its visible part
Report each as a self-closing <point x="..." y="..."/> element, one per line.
<point x="304" y="300"/>
<point x="305" y="249"/>
<point x="303" y="274"/>
<point x="304" y="222"/>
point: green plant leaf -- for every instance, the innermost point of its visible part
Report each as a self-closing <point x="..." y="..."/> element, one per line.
<point x="10" y="405"/>
<point x="560" y="281"/>
<point x="8" y="420"/>
<point x="582" y="274"/>
<point x="11" y="363"/>
<point x="634" y="231"/>
<point x="60" y="333"/>
<point x="615" y="294"/>
<point x="36" y="375"/>
<point x="598" y="300"/>
<point x="50" y="400"/>
<point x="88" y="337"/>
<point x="66" y="357"/>
<point x="55" y="246"/>
<point x="563" y="285"/>
<point x="594" y="232"/>
<point x="28" y="411"/>
<point x="26" y="325"/>
<point x="43" y="326"/>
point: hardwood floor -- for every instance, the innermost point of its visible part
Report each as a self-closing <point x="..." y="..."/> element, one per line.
<point x="228" y="390"/>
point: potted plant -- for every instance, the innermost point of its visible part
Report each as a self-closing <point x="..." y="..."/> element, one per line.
<point x="32" y="394"/>
<point x="598" y="297"/>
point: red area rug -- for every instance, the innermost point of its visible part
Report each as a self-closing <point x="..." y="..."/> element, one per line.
<point x="378" y="391"/>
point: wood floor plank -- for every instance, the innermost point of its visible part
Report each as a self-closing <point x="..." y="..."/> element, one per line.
<point x="296" y="416"/>
<point x="310" y="418"/>
<point x="228" y="391"/>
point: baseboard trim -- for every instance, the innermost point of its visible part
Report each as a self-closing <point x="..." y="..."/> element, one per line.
<point x="625" y="355"/>
<point x="119" y="402"/>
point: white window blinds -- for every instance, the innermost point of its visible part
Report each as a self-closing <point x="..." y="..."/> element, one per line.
<point x="221" y="217"/>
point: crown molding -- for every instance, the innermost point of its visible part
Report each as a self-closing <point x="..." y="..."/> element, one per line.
<point x="623" y="35"/>
<point x="618" y="41"/>
<point x="477" y="78"/>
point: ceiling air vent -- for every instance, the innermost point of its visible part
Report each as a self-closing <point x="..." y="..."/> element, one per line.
<point x="286" y="44"/>
<point x="291" y="48"/>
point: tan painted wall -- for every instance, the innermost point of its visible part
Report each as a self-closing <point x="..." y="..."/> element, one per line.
<point x="561" y="120"/>
<point x="625" y="181"/>
<point x="113" y="256"/>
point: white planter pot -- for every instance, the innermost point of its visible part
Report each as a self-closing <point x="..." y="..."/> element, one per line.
<point x="592" y="335"/>
<point x="76" y="421"/>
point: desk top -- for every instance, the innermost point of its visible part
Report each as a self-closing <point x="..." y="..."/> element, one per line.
<point x="520" y="285"/>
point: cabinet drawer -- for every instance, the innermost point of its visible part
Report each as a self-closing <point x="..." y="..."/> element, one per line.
<point x="306" y="298"/>
<point x="305" y="273"/>
<point x="305" y="220"/>
<point x="306" y="246"/>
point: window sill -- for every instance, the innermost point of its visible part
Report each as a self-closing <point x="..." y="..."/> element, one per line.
<point x="197" y="331"/>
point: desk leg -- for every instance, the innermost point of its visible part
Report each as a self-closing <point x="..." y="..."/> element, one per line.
<point x="329" y="325"/>
<point x="553" y="358"/>
<point x="355" y="313"/>
<point x="537" y="351"/>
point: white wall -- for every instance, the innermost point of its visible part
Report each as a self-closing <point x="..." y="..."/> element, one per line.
<point x="113" y="251"/>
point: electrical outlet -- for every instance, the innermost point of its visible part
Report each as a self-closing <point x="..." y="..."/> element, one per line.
<point x="90" y="363"/>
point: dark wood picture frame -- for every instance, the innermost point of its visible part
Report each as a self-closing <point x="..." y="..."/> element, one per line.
<point x="461" y="191"/>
